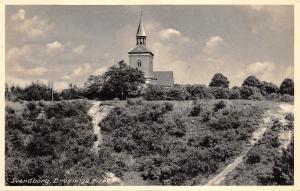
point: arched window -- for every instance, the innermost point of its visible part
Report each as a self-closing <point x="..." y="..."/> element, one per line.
<point x="139" y="63"/>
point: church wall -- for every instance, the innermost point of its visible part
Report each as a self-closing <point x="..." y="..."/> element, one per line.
<point x="146" y="63"/>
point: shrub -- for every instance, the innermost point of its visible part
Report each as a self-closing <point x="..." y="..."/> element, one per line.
<point x="273" y="97"/>
<point x="269" y="88"/>
<point x="199" y="92"/>
<point x="287" y="98"/>
<point x="196" y="110"/>
<point x="287" y="87"/>
<point x="289" y="117"/>
<point x="248" y="91"/>
<point x="71" y="93"/>
<point x="220" y="92"/>
<point x="154" y="92"/>
<point x="169" y="106"/>
<point x="219" y="105"/>
<point x="132" y="101"/>
<point x="257" y="96"/>
<point x="176" y="93"/>
<point x="253" y="158"/>
<point x="283" y="170"/>
<point x="235" y="93"/>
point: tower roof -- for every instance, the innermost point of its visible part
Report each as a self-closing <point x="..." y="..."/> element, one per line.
<point x="141" y="30"/>
<point x="140" y="49"/>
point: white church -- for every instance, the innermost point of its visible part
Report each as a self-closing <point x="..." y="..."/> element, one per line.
<point x="141" y="58"/>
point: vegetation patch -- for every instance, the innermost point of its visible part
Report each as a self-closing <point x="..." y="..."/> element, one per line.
<point x="175" y="143"/>
<point x="265" y="164"/>
<point x="50" y="141"/>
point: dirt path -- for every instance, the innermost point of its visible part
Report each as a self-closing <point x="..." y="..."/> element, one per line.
<point x="98" y="113"/>
<point x="256" y="136"/>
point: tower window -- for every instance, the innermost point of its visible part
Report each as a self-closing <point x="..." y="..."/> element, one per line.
<point x="139" y="63"/>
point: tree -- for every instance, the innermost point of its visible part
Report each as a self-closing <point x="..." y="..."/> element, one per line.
<point x="248" y="91"/>
<point x="219" y="80"/>
<point x="123" y="81"/>
<point x="93" y="86"/>
<point x="199" y="92"/>
<point x="235" y="93"/>
<point x="252" y="81"/>
<point x="287" y="87"/>
<point x="268" y="88"/>
<point x="155" y="92"/>
<point x="71" y="93"/>
<point x="221" y="92"/>
<point x="38" y="91"/>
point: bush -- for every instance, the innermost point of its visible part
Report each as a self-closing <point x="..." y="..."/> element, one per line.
<point x="132" y="101"/>
<point x="220" y="92"/>
<point x="199" y="92"/>
<point x="169" y="106"/>
<point x="253" y="158"/>
<point x="197" y="108"/>
<point x="257" y="96"/>
<point x="219" y="105"/>
<point x="273" y="97"/>
<point x="287" y="87"/>
<point x="235" y="93"/>
<point x="289" y="117"/>
<point x="154" y="93"/>
<point x="37" y="148"/>
<point x="248" y="91"/>
<point x="287" y="98"/>
<point x="269" y="88"/>
<point x="176" y="93"/>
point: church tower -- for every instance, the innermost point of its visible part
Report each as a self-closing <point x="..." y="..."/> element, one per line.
<point x="141" y="57"/>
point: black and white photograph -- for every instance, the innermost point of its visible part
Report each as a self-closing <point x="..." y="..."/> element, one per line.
<point x="149" y="95"/>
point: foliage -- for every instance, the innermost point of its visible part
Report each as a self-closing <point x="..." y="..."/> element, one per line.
<point x="197" y="108"/>
<point x="220" y="92"/>
<point x="269" y="88"/>
<point x="73" y="92"/>
<point x="287" y="98"/>
<point x="248" y="91"/>
<point x="199" y="92"/>
<point x="219" y="80"/>
<point x="235" y="93"/>
<point x="120" y="81"/>
<point x="171" y="147"/>
<point x="287" y="87"/>
<point x="49" y="140"/>
<point x="176" y="93"/>
<point x="252" y="81"/>
<point x="33" y="92"/>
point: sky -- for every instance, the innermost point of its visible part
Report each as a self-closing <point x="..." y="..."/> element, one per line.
<point x="66" y="44"/>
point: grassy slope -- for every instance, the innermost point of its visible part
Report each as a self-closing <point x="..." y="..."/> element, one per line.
<point x="144" y="143"/>
<point x="45" y="140"/>
<point x="189" y="151"/>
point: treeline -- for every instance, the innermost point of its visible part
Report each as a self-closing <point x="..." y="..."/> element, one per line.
<point x="251" y="89"/>
<point x="124" y="82"/>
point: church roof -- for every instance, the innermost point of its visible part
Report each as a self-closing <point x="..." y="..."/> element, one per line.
<point x="141" y="30"/>
<point x="140" y="49"/>
<point x="164" y="78"/>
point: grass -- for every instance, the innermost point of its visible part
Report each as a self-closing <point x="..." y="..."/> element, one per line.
<point x="173" y="147"/>
<point x="259" y="163"/>
<point x="48" y="140"/>
<point x="144" y="142"/>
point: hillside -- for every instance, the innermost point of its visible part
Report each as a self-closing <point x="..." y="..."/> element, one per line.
<point x="147" y="142"/>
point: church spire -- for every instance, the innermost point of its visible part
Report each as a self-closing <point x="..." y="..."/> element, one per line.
<point x="141" y="34"/>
